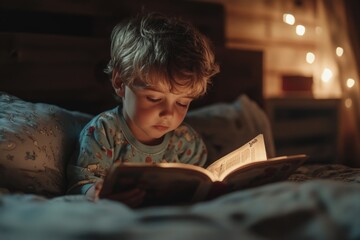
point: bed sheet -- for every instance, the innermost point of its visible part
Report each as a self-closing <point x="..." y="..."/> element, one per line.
<point x="336" y="172"/>
<point x="315" y="209"/>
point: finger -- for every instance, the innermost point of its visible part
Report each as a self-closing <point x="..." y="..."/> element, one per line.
<point x="98" y="186"/>
<point x="97" y="189"/>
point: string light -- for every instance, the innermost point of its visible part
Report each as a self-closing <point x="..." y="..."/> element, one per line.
<point x="310" y="57"/>
<point x="339" y="51"/>
<point x="288" y="18"/>
<point x="300" y="30"/>
<point x="326" y="75"/>
<point x="350" y="82"/>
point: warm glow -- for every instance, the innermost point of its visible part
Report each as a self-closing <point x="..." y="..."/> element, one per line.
<point x="339" y="51"/>
<point x="318" y="30"/>
<point x="300" y="30"/>
<point x="289" y="19"/>
<point x="326" y="75"/>
<point x="350" y="82"/>
<point x="310" y="57"/>
<point x="348" y="103"/>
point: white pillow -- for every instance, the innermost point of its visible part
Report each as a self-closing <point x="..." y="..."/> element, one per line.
<point x="227" y="126"/>
<point x="36" y="141"/>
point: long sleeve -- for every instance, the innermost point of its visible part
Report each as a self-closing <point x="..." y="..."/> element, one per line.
<point x="95" y="154"/>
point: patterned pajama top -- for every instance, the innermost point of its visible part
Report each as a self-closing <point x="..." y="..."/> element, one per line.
<point x="107" y="138"/>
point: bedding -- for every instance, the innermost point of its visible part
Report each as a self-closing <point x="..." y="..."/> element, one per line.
<point x="320" y="209"/>
<point x="37" y="139"/>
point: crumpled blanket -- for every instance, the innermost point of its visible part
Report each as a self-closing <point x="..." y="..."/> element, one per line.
<point x="337" y="172"/>
<point x="316" y="209"/>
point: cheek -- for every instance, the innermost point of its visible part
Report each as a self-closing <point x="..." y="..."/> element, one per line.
<point x="144" y="115"/>
<point x="180" y="115"/>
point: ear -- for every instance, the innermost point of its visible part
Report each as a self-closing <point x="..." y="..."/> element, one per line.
<point x="118" y="84"/>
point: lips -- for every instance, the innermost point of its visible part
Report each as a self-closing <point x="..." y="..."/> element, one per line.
<point x="161" y="127"/>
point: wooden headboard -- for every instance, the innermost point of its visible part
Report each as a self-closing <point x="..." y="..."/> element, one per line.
<point x="58" y="55"/>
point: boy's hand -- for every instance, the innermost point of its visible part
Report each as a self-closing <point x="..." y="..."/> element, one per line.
<point x="93" y="192"/>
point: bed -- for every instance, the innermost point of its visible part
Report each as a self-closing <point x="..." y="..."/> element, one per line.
<point x="39" y="125"/>
<point x="318" y="201"/>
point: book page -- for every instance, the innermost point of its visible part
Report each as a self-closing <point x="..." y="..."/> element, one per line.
<point x="252" y="151"/>
<point x="263" y="172"/>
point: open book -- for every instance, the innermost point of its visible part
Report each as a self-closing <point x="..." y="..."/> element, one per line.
<point x="178" y="183"/>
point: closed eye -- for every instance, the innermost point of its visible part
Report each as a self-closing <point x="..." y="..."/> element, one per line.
<point x="183" y="104"/>
<point x="153" y="99"/>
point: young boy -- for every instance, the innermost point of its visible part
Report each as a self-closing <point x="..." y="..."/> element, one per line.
<point x="158" y="66"/>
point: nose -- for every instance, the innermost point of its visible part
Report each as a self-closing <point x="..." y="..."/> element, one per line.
<point x="167" y="110"/>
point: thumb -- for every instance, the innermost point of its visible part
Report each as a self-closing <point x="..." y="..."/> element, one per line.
<point x="98" y="187"/>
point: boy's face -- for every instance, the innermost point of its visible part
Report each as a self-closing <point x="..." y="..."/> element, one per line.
<point x="151" y="112"/>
